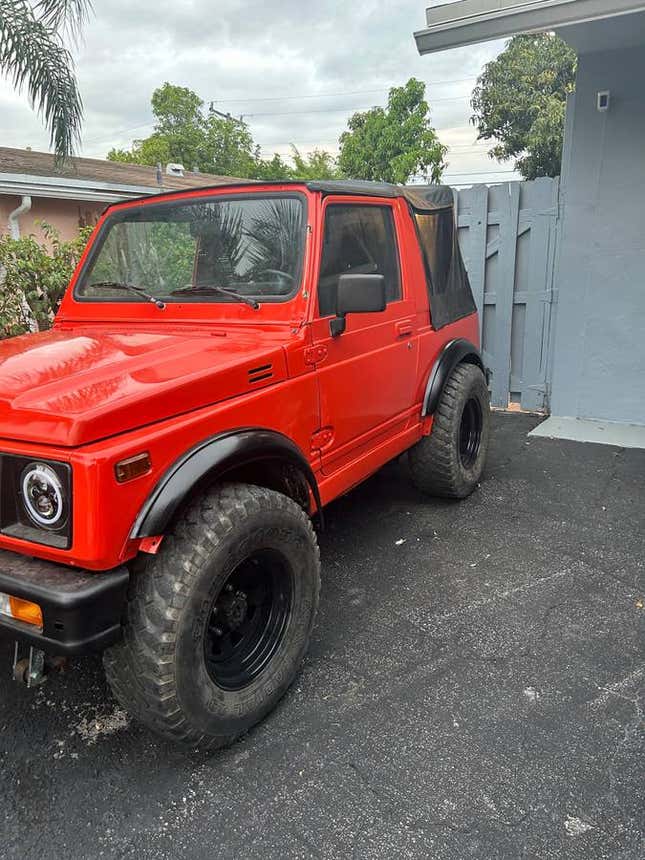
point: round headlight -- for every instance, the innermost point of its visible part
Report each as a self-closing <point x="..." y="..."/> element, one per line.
<point x="43" y="496"/>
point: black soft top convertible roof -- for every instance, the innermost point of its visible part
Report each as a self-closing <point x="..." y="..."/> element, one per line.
<point x="422" y="198"/>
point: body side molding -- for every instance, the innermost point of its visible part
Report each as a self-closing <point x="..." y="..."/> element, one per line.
<point x="212" y="459"/>
<point x="454" y="352"/>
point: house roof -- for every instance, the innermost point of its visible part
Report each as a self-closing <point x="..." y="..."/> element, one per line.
<point x="23" y="171"/>
<point x="452" y="25"/>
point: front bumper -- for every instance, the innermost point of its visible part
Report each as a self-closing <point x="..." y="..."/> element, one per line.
<point x="82" y="611"/>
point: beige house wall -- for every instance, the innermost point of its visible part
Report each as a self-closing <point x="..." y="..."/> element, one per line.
<point x="65" y="215"/>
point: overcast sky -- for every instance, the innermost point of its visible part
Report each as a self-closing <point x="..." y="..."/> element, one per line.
<point x="295" y="70"/>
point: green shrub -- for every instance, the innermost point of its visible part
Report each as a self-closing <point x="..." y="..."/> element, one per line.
<point x="34" y="276"/>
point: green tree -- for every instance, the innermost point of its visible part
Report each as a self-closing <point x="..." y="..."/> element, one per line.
<point x="520" y="101"/>
<point x="34" y="57"/>
<point x="187" y="133"/>
<point x="394" y="143"/>
<point x="318" y="164"/>
<point x="272" y="169"/>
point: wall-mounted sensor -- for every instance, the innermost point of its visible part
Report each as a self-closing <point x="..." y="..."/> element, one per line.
<point x="604" y="98"/>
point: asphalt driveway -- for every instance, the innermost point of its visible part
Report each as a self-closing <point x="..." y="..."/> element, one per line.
<point x="475" y="689"/>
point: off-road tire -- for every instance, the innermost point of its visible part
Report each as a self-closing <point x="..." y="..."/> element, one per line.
<point x="160" y="671"/>
<point x="437" y="464"/>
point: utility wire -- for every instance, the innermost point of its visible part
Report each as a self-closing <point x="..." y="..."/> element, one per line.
<point x="343" y="109"/>
<point x="475" y="147"/>
<point x="318" y="143"/>
<point x="287" y="113"/>
<point x="120" y="131"/>
<point x="479" y="173"/>
<point x="328" y="95"/>
<point x="298" y="97"/>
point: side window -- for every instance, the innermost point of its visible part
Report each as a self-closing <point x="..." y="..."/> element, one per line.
<point x="447" y="281"/>
<point x="357" y="240"/>
<point x="436" y="238"/>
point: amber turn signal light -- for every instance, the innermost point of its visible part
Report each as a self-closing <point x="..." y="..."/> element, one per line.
<point x="133" y="467"/>
<point x="21" y="610"/>
<point x="24" y="610"/>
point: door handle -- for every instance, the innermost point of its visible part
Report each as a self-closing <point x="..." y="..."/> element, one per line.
<point x="403" y="329"/>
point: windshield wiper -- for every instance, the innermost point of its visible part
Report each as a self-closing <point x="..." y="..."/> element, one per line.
<point x="139" y="291"/>
<point x="216" y="290"/>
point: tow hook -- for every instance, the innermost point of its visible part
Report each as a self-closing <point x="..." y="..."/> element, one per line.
<point x="32" y="668"/>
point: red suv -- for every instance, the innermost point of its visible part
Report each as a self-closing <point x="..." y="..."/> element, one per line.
<point x="225" y="362"/>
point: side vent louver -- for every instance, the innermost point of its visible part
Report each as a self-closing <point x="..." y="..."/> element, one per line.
<point x="257" y="374"/>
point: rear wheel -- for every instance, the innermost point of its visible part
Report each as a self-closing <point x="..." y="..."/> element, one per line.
<point x="449" y="462"/>
<point x="218" y="623"/>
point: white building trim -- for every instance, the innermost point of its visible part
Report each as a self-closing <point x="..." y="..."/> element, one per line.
<point x="453" y="25"/>
<point x="64" y="188"/>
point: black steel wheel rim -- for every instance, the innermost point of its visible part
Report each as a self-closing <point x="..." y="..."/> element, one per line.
<point x="248" y="619"/>
<point x="470" y="432"/>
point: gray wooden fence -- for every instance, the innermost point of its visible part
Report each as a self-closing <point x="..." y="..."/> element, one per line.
<point x="508" y="236"/>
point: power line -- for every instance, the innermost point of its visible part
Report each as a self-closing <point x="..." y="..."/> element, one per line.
<point x="462" y="149"/>
<point x="286" y="113"/>
<point x="120" y="131"/>
<point x="476" y="147"/>
<point x="298" y="97"/>
<point x="470" y="182"/>
<point x="341" y="110"/>
<point x="292" y="98"/>
<point x="480" y="173"/>
<point x="329" y="95"/>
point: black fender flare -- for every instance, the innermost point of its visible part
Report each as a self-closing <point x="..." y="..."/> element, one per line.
<point x="210" y="460"/>
<point x="454" y="352"/>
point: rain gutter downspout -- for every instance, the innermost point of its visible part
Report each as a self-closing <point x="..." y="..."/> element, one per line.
<point x="14" y="224"/>
<point x="14" y="229"/>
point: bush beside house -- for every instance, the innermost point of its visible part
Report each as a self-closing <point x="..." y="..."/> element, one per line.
<point x="34" y="276"/>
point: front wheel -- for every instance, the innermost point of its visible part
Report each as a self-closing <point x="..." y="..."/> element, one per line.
<point x="449" y="462"/>
<point x="219" y="621"/>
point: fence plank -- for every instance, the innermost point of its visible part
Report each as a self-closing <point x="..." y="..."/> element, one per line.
<point x="533" y="383"/>
<point x="509" y="217"/>
<point x="527" y="209"/>
<point x="477" y="244"/>
<point x="549" y="327"/>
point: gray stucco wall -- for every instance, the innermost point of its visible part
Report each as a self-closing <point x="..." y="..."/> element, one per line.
<point x="599" y="346"/>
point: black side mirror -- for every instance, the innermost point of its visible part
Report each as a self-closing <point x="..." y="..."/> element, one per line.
<point x="357" y="294"/>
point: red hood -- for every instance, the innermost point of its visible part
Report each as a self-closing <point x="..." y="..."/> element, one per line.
<point x="71" y="387"/>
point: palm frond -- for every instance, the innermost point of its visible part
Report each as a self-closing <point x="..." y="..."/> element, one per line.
<point x="33" y="58"/>
<point x="275" y="236"/>
<point x="221" y="243"/>
<point x="64" y="15"/>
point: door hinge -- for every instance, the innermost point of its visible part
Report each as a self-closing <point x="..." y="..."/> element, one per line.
<point x="315" y="354"/>
<point x="322" y="438"/>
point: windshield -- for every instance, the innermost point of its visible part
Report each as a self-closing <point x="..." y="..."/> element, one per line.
<point x="231" y="249"/>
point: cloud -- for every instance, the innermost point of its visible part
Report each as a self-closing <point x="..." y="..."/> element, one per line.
<point x="265" y="61"/>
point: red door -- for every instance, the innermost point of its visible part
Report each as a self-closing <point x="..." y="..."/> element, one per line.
<point x="367" y="374"/>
